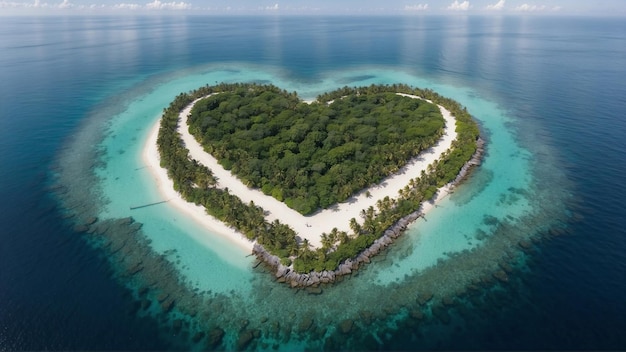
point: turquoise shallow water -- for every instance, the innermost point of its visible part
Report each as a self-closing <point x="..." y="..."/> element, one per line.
<point x="126" y="184"/>
<point x="210" y="263"/>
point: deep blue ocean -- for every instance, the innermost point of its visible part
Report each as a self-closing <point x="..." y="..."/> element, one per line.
<point x="554" y="87"/>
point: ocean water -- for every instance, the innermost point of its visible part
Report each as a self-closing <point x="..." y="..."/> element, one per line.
<point x="79" y="94"/>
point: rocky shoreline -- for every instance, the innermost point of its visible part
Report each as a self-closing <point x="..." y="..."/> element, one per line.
<point x="473" y="162"/>
<point x="314" y="279"/>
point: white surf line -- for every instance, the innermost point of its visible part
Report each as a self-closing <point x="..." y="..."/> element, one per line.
<point x="311" y="227"/>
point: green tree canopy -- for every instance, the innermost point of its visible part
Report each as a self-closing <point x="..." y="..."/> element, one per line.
<point x="313" y="155"/>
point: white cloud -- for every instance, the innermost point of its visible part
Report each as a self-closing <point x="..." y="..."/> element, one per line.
<point x="10" y="5"/>
<point x="497" y="6"/>
<point x="272" y="8"/>
<point x="37" y="4"/>
<point x="124" y="6"/>
<point x="418" y="7"/>
<point x="154" y="5"/>
<point x="459" y="6"/>
<point x="158" y="5"/>
<point x="530" y="8"/>
<point x="67" y="5"/>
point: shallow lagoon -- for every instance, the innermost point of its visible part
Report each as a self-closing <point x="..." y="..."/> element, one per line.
<point x="461" y="243"/>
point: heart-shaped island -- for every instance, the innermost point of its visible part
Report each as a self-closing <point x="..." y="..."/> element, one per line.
<point x="346" y="172"/>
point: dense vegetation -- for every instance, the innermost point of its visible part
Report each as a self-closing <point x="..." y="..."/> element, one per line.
<point x="313" y="155"/>
<point x="196" y="184"/>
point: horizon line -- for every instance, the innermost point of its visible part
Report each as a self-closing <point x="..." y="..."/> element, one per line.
<point x="169" y="10"/>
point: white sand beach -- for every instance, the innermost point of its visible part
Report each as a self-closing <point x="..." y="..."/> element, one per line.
<point x="310" y="227"/>
<point x="165" y="186"/>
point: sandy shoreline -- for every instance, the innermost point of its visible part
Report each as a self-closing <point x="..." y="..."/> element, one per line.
<point x="165" y="186"/>
<point x="310" y="227"/>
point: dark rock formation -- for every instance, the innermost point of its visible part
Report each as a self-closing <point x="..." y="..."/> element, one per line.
<point x="487" y="281"/>
<point x="366" y="317"/>
<point x="448" y="301"/>
<point x="305" y="324"/>
<point x="506" y="267"/>
<point x="243" y="324"/>
<point x="162" y="297"/>
<point x="274" y="329"/>
<point x="245" y="337"/>
<point x="81" y="228"/>
<point x="501" y="276"/>
<point x="135" y="269"/>
<point x="197" y="337"/>
<point x="416" y="314"/>
<point x="441" y="314"/>
<point x="346" y="326"/>
<point x="424" y="297"/>
<point x="215" y="337"/>
<point x="167" y="305"/>
<point x="92" y="220"/>
<point x="525" y="244"/>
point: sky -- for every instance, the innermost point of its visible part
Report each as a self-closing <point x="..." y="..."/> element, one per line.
<point x="321" y="7"/>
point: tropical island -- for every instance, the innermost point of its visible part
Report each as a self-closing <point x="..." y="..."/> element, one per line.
<point x="313" y="161"/>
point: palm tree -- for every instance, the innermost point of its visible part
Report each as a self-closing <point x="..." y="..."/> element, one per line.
<point x="379" y="205"/>
<point x="355" y="227"/>
<point x="343" y="237"/>
<point x="327" y="241"/>
<point x="321" y="254"/>
<point x="292" y="248"/>
<point x="305" y="253"/>
<point x="370" y="212"/>
<point x="305" y="244"/>
<point x="257" y="224"/>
